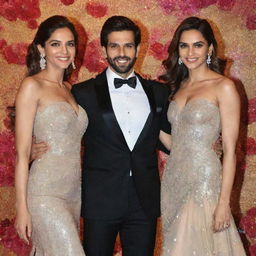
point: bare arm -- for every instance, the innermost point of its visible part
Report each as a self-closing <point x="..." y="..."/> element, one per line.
<point x="165" y="138"/>
<point x="26" y="105"/>
<point x="229" y="104"/>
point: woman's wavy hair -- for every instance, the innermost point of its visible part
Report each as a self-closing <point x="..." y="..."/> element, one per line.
<point x="44" y="32"/>
<point x="176" y="73"/>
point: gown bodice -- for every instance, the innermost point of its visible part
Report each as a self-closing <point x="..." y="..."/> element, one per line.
<point x="58" y="171"/>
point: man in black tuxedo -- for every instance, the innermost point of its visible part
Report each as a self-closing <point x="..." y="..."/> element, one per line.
<point x="121" y="186"/>
<point x="120" y="180"/>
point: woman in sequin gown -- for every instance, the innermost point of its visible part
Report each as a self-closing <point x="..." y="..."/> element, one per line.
<point x="48" y="195"/>
<point x="195" y="194"/>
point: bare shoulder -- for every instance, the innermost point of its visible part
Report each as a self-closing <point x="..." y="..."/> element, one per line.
<point x="225" y="87"/>
<point x="29" y="88"/>
<point x="30" y="83"/>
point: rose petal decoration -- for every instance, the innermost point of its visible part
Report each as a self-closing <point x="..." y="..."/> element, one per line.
<point x="3" y="43"/>
<point x="93" y="60"/>
<point x="22" y="9"/>
<point x="251" y="146"/>
<point x="251" y="22"/>
<point x="16" y="53"/>
<point x="248" y="223"/>
<point x="9" y="238"/>
<point x="27" y="9"/>
<point x="226" y="5"/>
<point x="158" y="50"/>
<point x="252" y="250"/>
<point x="67" y="2"/>
<point x="168" y="6"/>
<point x="96" y="10"/>
<point x="190" y="7"/>
<point x="8" y="10"/>
<point x="7" y="158"/>
<point x="32" y="24"/>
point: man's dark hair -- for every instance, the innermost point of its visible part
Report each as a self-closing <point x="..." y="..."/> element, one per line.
<point x="119" y="23"/>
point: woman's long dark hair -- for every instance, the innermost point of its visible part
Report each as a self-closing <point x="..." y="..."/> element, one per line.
<point x="44" y="32"/>
<point x="176" y="73"/>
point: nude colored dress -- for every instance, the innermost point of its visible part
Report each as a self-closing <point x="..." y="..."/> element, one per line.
<point x="191" y="185"/>
<point x="54" y="184"/>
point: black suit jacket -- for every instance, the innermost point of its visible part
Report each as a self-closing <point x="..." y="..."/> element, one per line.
<point x="107" y="158"/>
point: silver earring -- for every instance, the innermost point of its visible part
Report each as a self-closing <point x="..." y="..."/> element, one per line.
<point x="73" y="65"/>
<point x="180" y="61"/>
<point x="42" y="61"/>
<point x="208" y="60"/>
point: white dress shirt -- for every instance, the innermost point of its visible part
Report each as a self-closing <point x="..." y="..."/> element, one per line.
<point x="131" y="107"/>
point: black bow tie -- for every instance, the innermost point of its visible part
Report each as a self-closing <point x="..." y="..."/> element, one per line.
<point x="118" y="82"/>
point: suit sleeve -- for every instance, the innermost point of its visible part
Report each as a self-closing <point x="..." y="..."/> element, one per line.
<point x="74" y="92"/>
<point x="165" y="125"/>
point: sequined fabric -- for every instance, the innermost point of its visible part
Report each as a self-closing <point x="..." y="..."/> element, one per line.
<point x="54" y="184"/>
<point x="191" y="185"/>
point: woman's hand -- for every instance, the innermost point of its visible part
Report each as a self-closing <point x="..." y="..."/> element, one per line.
<point x="23" y="224"/>
<point x="221" y="217"/>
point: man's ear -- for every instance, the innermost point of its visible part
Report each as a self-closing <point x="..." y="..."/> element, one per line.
<point x="41" y="49"/>
<point x="137" y="50"/>
<point x="104" y="52"/>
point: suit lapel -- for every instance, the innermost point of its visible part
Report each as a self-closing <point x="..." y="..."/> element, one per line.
<point x="148" y="90"/>
<point x="104" y="102"/>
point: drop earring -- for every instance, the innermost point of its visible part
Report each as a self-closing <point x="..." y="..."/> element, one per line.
<point x="42" y="61"/>
<point x="73" y="65"/>
<point x="180" y="61"/>
<point x="208" y="60"/>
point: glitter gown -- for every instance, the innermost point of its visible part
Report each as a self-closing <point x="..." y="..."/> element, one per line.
<point x="54" y="184"/>
<point x="191" y="185"/>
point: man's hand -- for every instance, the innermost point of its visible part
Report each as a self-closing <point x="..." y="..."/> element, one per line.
<point x="37" y="149"/>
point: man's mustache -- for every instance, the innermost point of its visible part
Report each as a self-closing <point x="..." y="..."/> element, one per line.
<point x="122" y="58"/>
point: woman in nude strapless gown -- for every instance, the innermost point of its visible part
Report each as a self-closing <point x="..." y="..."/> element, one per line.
<point x="196" y="188"/>
<point x="48" y="195"/>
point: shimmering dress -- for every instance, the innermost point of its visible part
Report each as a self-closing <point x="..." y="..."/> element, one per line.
<point x="191" y="185"/>
<point x="54" y="184"/>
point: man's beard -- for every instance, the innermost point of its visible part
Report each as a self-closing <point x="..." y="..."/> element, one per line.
<point x="121" y="70"/>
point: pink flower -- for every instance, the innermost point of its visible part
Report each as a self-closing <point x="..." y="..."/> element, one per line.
<point x="168" y="6"/>
<point x="158" y="50"/>
<point x="27" y="9"/>
<point x="252" y="250"/>
<point x="3" y="43"/>
<point x="96" y="10"/>
<point x="248" y="223"/>
<point x="190" y="7"/>
<point x="198" y="4"/>
<point x="8" y="10"/>
<point x="23" y="9"/>
<point x="9" y="238"/>
<point x="93" y="60"/>
<point x="9" y="121"/>
<point x="252" y="110"/>
<point x="7" y="158"/>
<point x="32" y="24"/>
<point x="16" y="53"/>
<point x="226" y="5"/>
<point x="251" y="22"/>
<point x="67" y="2"/>
<point x="251" y="146"/>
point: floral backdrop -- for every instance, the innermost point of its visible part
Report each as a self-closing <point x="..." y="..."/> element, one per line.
<point x="234" y="22"/>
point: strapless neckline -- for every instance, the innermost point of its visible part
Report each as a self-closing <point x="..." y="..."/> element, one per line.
<point x="191" y="102"/>
<point x="61" y="103"/>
